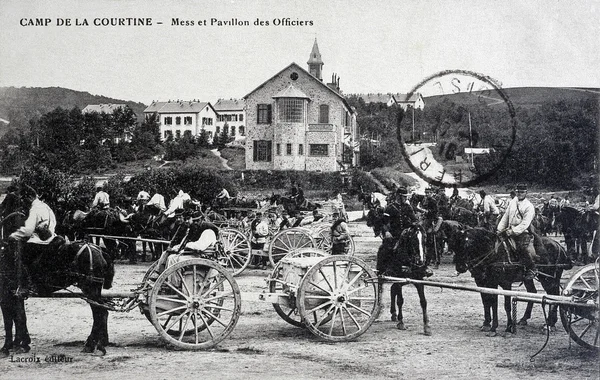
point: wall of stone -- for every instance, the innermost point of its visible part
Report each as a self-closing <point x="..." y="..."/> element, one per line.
<point x="295" y="133"/>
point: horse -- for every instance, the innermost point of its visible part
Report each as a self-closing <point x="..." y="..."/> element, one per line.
<point x="78" y="263"/>
<point x="578" y="227"/>
<point x="550" y="213"/>
<point x="492" y="263"/>
<point x="112" y="221"/>
<point x="375" y="220"/>
<point x="464" y="216"/>
<point x="404" y="257"/>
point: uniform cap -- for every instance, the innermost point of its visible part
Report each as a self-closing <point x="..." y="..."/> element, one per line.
<point x="402" y="191"/>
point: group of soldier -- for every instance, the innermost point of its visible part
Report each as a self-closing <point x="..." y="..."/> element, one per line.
<point x="400" y="213"/>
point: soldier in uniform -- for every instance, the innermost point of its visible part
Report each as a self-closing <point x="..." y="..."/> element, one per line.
<point x="432" y="222"/>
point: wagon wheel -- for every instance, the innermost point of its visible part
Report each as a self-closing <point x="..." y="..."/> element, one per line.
<point x="323" y="241"/>
<point x="342" y="293"/>
<point x="289" y="312"/>
<point x="145" y="309"/>
<point x="583" y="323"/>
<point x="236" y="252"/>
<point x="289" y="241"/>
<point x="144" y="306"/>
<point x="195" y="304"/>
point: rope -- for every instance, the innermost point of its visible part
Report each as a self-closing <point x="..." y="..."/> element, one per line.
<point x="514" y="315"/>
<point x="547" y="331"/>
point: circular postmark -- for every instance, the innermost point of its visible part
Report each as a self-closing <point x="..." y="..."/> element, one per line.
<point x="463" y="134"/>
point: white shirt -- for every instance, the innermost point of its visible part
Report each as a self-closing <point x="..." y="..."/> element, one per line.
<point x="379" y="197"/>
<point x="101" y="197"/>
<point x="223" y="194"/>
<point x="489" y="205"/>
<point x="207" y="239"/>
<point x="40" y="215"/>
<point x="518" y="216"/>
<point x="177" y="202"/>
<point x="158" y="201"/>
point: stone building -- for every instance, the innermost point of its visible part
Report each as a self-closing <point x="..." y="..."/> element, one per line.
<point x="180" y="117"/>
<point x="297" y="122"/>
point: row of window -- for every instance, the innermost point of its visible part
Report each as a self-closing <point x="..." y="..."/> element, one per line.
<point x="187" y="120"/>
<point x="230" y="130"/>
<point x="263" y="150"/>
<point x="230" y="117"/>
<point x="185" y="133"/>
<point x="291" y="110"/>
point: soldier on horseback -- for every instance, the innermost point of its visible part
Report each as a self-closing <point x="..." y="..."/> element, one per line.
<point x="489" y="210"/>
<point x="432" y="221"/>
<point x="102" y="199"/>
<point x="516" y="223"/>
<point x="398" y="217"/>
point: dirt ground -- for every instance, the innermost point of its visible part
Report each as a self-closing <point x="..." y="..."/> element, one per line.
<point x="263" y="346"/>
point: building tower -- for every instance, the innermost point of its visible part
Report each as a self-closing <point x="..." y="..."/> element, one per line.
<point x="315" y="64"/>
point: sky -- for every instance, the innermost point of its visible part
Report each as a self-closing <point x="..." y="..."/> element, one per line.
<point x="372" y="46"/>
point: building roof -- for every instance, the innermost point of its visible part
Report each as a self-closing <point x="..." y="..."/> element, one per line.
<point x="229" y="105"/>
<point x="177" y="107"/>
<point x="401" y="98"/>
<point x="315" y="56"/>
<point x="298" y="67"/>
<point x="291" y="92"/>
<point x="102" y="108"/>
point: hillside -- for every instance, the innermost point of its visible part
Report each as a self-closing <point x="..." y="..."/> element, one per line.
<point x="527" y="97"/>
<point x="20" y="104"/>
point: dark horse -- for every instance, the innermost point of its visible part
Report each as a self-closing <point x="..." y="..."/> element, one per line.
<point x="78" y="263"/>
<point x="492" y="262"/>
<point x="375" y="220"/>
<point x="404" y="257"/>
<point x="579" y="227"/>
<point x="78" y="224"/>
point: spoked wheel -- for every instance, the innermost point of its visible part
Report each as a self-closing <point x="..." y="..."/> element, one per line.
<point x="323" y="241"/>
<point x="338" y="298"/>
<point x="289" y="241"/>
<point x="582" y="323"/>
<point x="277" y="284"/>
<point x="195" y="304"/>
<point x="144" y="306"/>
<point x="236" y="254"/>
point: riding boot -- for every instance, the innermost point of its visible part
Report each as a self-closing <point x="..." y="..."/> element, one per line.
<point x="528" y="262"/>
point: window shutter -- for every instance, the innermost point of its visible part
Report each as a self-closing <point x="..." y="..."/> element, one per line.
<point x="254" y="151"/>
<point x="257" y="119"/>
<point x="269" y="106"/>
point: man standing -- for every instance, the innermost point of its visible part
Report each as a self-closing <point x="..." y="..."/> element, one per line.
<point x="340" y="236"/>
<point x="34" y="238"/>
<point x="101" y="200"/>
<point x="515" y="223"/>
<point x="259" y="229"/>
<point x="490" y="211"/>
